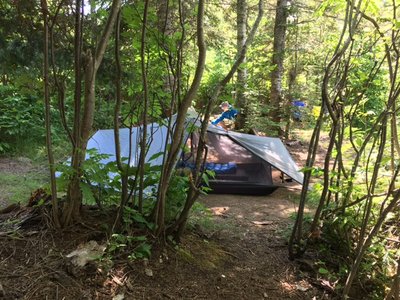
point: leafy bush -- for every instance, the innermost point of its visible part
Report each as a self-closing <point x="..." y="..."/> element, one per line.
<point x="176" y="196"/>
<point x="138" y="246"/>
<point x="21" y="118"/>
<point x="98" y="184"/>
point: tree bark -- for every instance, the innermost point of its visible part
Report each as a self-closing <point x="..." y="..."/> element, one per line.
<point x="73" y="194"/>
<point x="292" y="79"/>
<point x="54" y="200"/>
<point x="143" y="140"/>
<point x="241" y="103"/>
<point x="276" y="94"/>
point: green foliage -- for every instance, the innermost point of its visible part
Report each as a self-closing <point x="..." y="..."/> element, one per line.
<point x="21" y="119"/>
<point x="104" y="115"/>
<point x="176" y="197"/>
<point x="98" y="182"/>
<point x="337" y="254"/>
<point x="207" y="175"/>
<point x="133" y="217"/>
<point x="20" y="43"/>
<point x="136" y="246"/>
<point x="312" y="36"/>
<point x="366" y="97"/>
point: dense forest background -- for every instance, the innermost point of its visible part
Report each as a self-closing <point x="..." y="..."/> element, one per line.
<point x="69" y="68"/>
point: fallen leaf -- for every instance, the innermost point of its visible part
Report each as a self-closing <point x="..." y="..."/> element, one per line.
<point x="118" y="281"/>
<point x="302" y="288"/>
<point x="119" y="297"/>
<point x="262" y="222"/>
<point x="148" y="272"/>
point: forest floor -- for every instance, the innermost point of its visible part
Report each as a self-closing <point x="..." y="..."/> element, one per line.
<point x="238" y="252"/>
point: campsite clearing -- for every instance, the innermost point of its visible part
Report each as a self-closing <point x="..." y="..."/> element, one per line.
<point x="240" y="252"/>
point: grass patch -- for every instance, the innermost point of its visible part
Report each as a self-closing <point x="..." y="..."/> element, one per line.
<point x="25" y="169"/>
<point x="18" y="187"/>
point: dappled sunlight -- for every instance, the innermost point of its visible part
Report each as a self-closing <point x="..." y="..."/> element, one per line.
<point x="219" y="210"/>
<point x="287" y="286"/>
<point x="254" y="208"/>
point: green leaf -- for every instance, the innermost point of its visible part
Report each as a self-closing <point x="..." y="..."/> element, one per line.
<point x="143" y="250"/>
<point x="139" y="218"/>
<point x="87" y="193"/>
<point x="323" y="271"/>
<point x="206" y="180"/>
<point x="155" y="156"/>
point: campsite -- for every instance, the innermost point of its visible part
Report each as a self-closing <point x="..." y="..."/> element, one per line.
<point x="242" y="163"/>
<point x="237" y="252"/>
<point x="182" y="149"/>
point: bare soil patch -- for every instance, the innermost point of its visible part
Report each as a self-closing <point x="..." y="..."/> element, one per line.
<point x="16" y="166"/>
<point x="241" y="254"/>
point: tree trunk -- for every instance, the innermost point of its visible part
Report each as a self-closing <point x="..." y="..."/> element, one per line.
<point x="276" y="95"/>
<point x="143" y="141"/>
<point x="159" y="213"/>
<point x="241" y="103"/>
<point x="83" y="127"/>
<point x="288" y="106"/>
<point x="54" y="200"/>
<point x="292" y="79"/>
<point x="165" y="29"/>
<point x="117" y="110"/>
<point x="71" y="207"/>
<point x="177" y="229"/>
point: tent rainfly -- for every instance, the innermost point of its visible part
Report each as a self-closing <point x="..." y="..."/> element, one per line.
<point x="242" y="162"/>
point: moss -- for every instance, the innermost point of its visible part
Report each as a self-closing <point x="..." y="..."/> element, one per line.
<point x="203" y="254"/>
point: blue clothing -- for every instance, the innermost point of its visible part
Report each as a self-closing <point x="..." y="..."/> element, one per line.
<point x="298" y="110"/>
<point x="299" y="103"/>
<point x="229" y="114"/>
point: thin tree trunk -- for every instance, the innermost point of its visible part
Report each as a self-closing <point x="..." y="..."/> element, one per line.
<point x="117" y="110"/>
<point x="74" y="194"/>
<point x="296" y="246"/>
<point x="54" y="200"/>
<point x="143" y="142"/>
<point x="241" y="103"/>
<point x="368" y="240"/>
<point x="292" y="78"/>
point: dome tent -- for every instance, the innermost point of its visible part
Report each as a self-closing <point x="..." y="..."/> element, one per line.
<point x="242" y="163"/>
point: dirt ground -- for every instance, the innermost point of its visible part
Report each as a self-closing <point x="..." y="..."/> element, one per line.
<point x="239" y="252"/>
